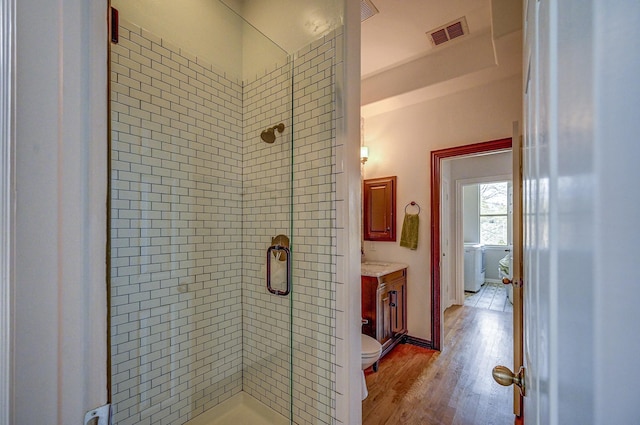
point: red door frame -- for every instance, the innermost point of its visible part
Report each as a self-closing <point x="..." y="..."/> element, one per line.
<point x="436" y="158"/>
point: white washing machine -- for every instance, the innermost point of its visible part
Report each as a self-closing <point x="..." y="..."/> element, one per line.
<point x="474" y="267"/>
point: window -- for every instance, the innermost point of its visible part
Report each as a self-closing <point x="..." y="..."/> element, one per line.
<point x="494" y="213"/>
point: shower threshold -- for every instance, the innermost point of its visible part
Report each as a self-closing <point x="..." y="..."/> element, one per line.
<point x="241" y="409"/>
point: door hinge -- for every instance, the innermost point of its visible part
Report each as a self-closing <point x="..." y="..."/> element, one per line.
<point x="114" y="24"/>
<point x="102" y="414"/>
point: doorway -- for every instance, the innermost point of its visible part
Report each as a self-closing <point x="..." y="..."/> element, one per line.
<point x="438" y="199"/>
<point x="483" y="229"/>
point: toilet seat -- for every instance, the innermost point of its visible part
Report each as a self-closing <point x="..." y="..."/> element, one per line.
<point x="371" y="350"/>
<point x="370" y="347"/>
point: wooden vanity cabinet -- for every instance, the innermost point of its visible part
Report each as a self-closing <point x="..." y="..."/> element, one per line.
<point x="384" y="301"/>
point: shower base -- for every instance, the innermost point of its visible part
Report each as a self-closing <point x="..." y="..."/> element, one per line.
<point x="241" y="409"/>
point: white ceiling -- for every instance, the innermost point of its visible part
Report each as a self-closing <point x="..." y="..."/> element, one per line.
<point x="291" y="24"/>
<point x="400" y="67"/>
<point x="398" y="33"/>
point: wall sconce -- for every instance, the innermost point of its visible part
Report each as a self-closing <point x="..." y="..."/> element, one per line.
<point x="364" y="154"/>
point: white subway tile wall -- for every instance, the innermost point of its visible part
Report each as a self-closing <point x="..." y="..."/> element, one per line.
<point x="196" y="197"/>
<point x="314" y="232"/>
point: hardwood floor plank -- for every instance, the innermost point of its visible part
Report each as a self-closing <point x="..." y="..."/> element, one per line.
<point x="415" y="385"/>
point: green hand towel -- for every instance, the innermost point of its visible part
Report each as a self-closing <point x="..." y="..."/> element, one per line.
<point x="409" y="236"/>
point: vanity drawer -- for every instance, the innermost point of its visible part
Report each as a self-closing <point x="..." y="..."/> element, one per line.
<point x="400" y="274"/>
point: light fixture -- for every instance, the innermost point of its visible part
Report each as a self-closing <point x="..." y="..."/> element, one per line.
<point x="364" y="154"/>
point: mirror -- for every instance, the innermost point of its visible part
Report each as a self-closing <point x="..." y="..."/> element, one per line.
<point x="380" y="209"/>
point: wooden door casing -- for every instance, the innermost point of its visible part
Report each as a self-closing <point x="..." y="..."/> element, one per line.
<point x="436" y="252"/>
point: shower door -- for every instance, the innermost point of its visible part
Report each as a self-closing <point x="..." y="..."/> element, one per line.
<point x="202" y="208"/>
<point x="196" y="197"/>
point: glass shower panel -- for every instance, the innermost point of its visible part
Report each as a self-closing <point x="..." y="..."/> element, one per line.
<point x="196" y="198"/>
<point x="267" y="222"/>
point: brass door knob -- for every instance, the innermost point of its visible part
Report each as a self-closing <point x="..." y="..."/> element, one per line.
<point x="503" y="376"/>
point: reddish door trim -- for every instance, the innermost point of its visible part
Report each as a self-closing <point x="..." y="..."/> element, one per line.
<point x="436" y="158"/>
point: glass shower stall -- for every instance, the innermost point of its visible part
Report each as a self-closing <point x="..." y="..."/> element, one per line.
<point x="222" y="215"/>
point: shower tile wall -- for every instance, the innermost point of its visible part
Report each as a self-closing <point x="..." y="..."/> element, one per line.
<point x="176" y="230"/>
<point x="314" y="232"/>
<point x="196" y="199"/>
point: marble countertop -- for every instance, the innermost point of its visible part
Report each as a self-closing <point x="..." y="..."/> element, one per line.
<point x="380" y="268"/>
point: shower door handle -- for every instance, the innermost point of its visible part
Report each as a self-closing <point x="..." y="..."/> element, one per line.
<point x="279" y="248"/>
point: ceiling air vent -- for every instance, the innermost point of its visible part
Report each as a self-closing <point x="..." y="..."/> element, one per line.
<point x="448" y="32"/>
<point x="367" y="10"/>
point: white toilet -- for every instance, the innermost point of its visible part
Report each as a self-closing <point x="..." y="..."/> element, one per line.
<point x="371" y="350"/>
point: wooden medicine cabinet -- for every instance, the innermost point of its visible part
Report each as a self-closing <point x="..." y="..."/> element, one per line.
<point x="380" y="209"/>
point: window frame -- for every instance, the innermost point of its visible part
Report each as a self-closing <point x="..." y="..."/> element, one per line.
<point x="506" y="215"/>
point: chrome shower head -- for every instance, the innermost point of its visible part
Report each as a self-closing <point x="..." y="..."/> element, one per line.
<point x="269" y="135"/>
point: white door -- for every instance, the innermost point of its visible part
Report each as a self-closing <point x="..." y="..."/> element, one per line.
<point x="59" y="354"/>
<point x="445" y="265"/>
<point x="580" y="213"/>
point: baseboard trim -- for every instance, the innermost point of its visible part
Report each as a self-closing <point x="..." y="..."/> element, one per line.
<point x="418" y="342"/>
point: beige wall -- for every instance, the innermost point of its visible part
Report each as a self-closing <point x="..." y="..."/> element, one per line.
<point x="269" y="31"/>
<point x="196" y="24"/>
<point x="400" y="143"/>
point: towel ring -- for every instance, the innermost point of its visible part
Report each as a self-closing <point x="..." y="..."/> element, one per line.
<point x="412" y="204"/>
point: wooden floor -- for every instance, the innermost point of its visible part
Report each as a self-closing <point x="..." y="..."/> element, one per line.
<point x="423" y="387"/>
